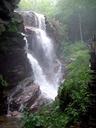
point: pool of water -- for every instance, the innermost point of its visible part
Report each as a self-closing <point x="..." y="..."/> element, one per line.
<point x="9" y="122"/>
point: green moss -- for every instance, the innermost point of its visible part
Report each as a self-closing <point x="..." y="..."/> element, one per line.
<point x="3" y="83"/>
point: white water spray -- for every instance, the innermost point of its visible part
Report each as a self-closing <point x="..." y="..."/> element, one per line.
<point x="40" y="79"/>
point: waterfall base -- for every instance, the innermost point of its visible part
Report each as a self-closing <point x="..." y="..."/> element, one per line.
<point x="26" y="95"/>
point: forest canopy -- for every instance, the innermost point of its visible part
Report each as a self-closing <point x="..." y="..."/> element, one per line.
<point x="77" y="18"/>
<point x="42" y="6"/>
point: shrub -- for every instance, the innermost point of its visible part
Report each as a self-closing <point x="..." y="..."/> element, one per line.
<point x="76" y="83"/>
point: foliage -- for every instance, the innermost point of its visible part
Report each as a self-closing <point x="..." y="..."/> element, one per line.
<point x="41" y="6"/>
<point x="68" y="7"/>
<point x="25" y="4"/>
<point x="32" y="120"/>
<point x="3" y="83"/>
<point x="78" y="16"/>
<point x="73" y="94"/>
<point x="70" y="51"/>
<point x="49" y="117"/>
<point x="75" y="88"/>
<point x="12" y="27"/>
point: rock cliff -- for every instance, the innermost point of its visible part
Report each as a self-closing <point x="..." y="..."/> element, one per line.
<point x="14" y="65"/>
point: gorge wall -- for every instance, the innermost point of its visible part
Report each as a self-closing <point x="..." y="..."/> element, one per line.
<point x="14" y="65"/>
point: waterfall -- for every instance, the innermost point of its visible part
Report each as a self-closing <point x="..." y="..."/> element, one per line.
<point x="46" y="68"/>
<point x="45" y="65"/>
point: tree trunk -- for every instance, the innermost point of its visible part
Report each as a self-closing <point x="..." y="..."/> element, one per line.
<point x="80" y="28"/>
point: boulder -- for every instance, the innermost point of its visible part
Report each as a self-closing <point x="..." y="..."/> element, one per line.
<point x="24" y="95"/>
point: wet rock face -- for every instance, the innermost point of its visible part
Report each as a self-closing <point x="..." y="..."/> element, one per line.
<point x="14" y="65"/>
<point x="24" y="95"/>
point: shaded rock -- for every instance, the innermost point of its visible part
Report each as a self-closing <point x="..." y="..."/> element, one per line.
<point x="3" y="102"/>
<point x="14" y="65"/>
<point x="7" y="8"/>
<point x="6" y="12"/>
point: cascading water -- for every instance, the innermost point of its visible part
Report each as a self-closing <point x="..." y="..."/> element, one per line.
<point x="47" y="72"/>
<point x="49" y="90"/>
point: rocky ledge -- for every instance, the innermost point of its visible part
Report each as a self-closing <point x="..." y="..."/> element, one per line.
<point x="23" y="96"/>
